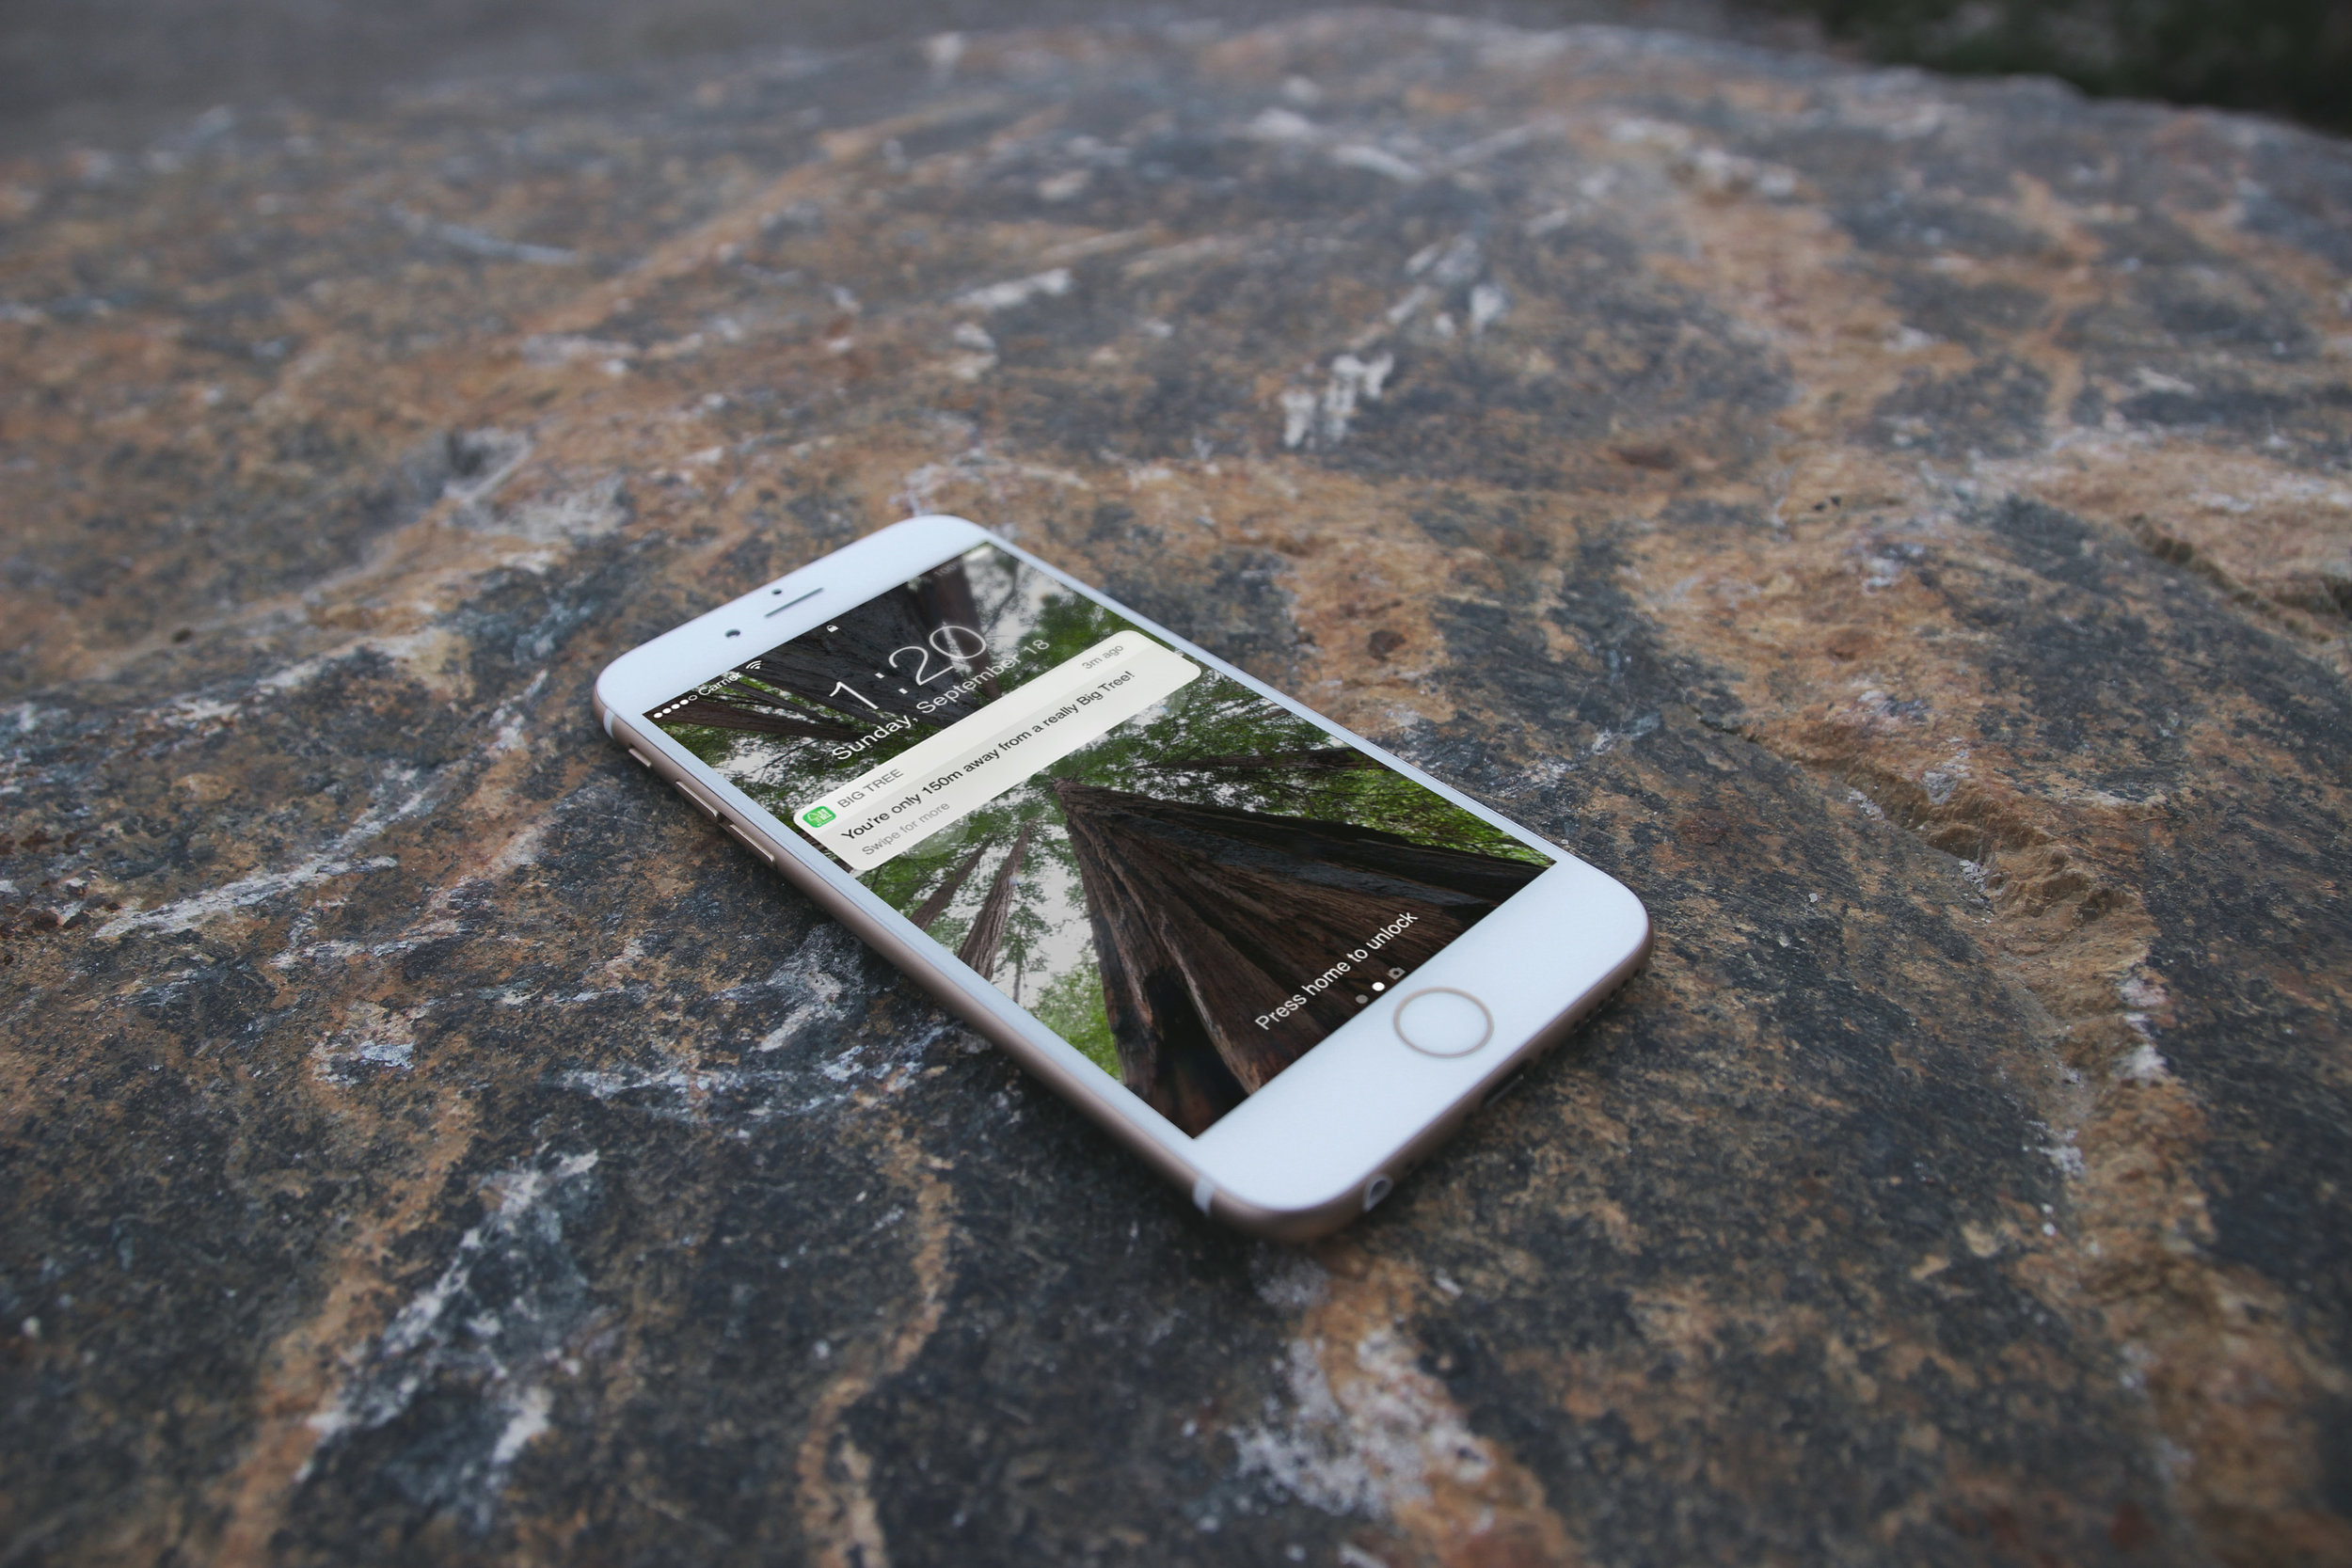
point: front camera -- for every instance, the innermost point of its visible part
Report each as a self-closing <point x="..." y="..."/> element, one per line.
<point x="732" y="632"/>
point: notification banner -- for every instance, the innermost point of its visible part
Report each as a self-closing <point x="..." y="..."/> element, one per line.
<point x="884" y="813"/>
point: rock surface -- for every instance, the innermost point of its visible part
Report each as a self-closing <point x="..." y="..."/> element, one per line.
<point x="1903" y="528"/>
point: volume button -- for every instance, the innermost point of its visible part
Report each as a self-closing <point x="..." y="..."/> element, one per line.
<point x="710" y="808"/>
<point x="641" y="756"/>
<point x="752" y="844"/>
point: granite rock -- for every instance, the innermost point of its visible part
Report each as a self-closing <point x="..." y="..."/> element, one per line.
<point x="1900" y="526"/>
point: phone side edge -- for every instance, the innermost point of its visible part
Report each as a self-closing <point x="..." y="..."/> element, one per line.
<point x="790" y="860"/>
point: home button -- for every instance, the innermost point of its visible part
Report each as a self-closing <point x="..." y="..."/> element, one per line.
<point x="1444" y="1023"/>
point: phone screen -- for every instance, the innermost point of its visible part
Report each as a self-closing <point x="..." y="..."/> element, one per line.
<point x="1191" y="884"/>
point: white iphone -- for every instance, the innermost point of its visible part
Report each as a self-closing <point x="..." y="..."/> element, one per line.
<point x="1277" y="962"/>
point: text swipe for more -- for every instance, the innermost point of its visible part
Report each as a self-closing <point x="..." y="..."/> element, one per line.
<point x="930" y="785"/>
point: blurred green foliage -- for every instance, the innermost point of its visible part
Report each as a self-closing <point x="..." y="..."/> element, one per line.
<point x="2291" y="58"/>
